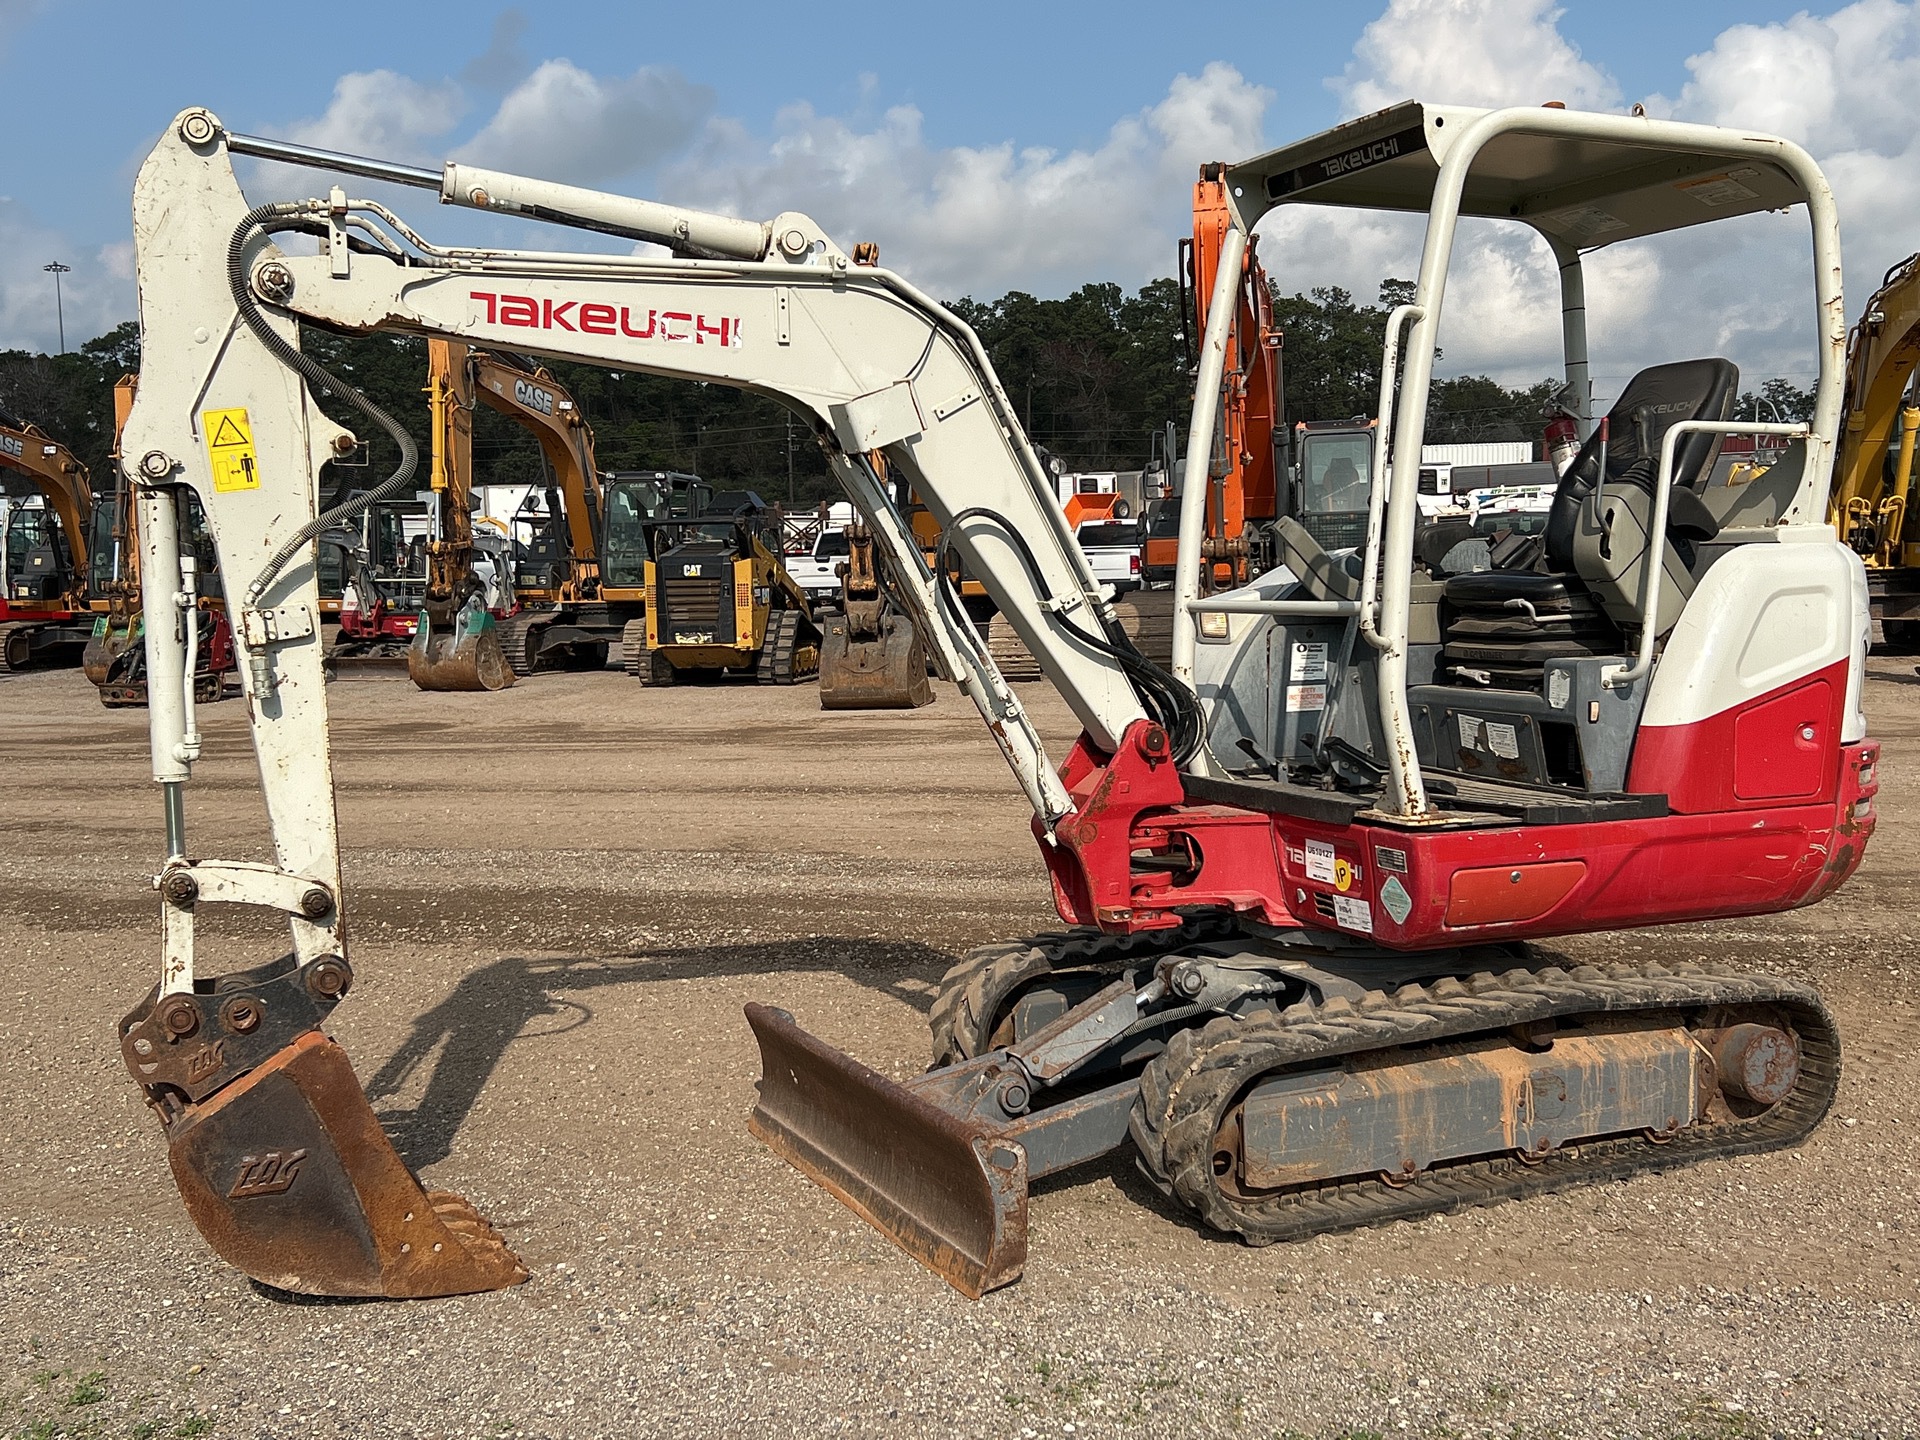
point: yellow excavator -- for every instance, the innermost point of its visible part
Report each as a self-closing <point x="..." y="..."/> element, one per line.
<point x="456" y="644"/>
<point x="1873" y="473"/>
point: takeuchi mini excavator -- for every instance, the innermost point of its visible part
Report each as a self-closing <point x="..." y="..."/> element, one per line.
<point x="1303" y="868"/>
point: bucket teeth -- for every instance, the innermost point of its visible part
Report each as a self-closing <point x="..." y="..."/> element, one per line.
<point x="290" y="1178"/>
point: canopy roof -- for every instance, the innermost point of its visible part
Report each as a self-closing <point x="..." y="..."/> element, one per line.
<point x="1623" y="178"/>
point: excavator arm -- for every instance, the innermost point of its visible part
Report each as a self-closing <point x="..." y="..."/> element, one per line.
<point x="1869" y="508"/>
<point x="531" y="397"/>
<point x="271" y="1140"/>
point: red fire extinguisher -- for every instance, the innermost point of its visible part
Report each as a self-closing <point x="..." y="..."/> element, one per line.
<point x="1563" y="435"/>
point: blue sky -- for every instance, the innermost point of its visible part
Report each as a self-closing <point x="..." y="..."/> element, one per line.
<point x="951" y="131"/>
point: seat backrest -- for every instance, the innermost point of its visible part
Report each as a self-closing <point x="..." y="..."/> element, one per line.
<point x="1661" y="396"/>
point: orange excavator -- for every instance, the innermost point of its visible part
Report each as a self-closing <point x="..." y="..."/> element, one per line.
<point x="43" y="606"/>
<point x="1243" y="492"/>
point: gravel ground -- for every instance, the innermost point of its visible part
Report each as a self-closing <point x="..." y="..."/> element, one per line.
<point x="558" y="913"/>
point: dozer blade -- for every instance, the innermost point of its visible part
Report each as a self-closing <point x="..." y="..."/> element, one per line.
<point x="291" y="1179"/>
<point x="943" y="1189"/>
<point x="888" y="673"/>
<point x="468" y="657"/>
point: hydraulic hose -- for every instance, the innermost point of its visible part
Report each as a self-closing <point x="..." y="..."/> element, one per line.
<point x="1174" y="707"/>
<point x="292" y="215"/>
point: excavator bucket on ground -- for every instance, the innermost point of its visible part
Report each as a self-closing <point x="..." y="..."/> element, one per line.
<point x="871" y="657"/>
<point x="888" y="672"/>
<point x="946" y="1189"/>
<point x="283" y="1165"/>
<point x="467" y="657"/>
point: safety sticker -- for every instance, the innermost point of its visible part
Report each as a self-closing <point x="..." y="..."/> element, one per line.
<point x="1470" y="732"/>
<point x="1309" y="661"/>
<point x="1352" y="914"/>
<point x="1559" y="688"/>
<point x="1717" y="190"/>
<point x="1320" y="859"/>
<point x="1306" y="697"/>
<point x="230" y="447"/>
<point x="1502" y="740"/>
<point x="1399" y="904"/>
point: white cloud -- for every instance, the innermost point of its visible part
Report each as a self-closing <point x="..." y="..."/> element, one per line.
<point x="982" y="220"/>
<point x="1470" y="52"/>
<point x="384" y="114"/>
<point x="564" y="123"/>
<point x="95" y="295"/>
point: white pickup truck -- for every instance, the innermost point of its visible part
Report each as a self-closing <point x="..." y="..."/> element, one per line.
<point x="1112" y="548"/>
<point x="818" y="572"/>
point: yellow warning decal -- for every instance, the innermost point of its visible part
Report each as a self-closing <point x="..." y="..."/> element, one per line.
<point x="230" y="446"/>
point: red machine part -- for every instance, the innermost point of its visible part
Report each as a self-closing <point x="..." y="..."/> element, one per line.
<point x="1134" y="854"/>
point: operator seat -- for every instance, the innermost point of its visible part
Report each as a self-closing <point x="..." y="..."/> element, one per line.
<point x="1586" y="582"/>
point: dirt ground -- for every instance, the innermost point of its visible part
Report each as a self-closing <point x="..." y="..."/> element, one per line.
<point x="561" y="896"/>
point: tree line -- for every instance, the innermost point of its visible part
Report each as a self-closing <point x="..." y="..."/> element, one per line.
<point x="1095" y="377"/>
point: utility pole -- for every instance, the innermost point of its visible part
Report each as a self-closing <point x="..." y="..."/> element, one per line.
<point x="59" y="307"/>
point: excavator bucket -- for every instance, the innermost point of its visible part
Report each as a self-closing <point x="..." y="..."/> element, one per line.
<point x="887" y="673"/>
<point x="942" y="1188"/>
<point x="468" y="657"/>
<point x="291" y="1179"/>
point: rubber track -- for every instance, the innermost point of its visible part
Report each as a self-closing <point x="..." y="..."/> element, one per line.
<point x="6" y="634"/>
<point x="517" y="633"/>
<point x="974" y="993"/>
<point x="1186" y="1091"/>
<point x="775" y="666"/>
<point x="633" y="649"/>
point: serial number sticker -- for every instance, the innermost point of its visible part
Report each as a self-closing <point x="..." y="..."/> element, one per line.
<point x="1309" y="661"/>
<point x="1389" y="858"/>
<point x="1351" y="914"/>
<point x="1320" y="861"/>
<point x="1306" y="697"/>
<point x="1395" y="900"/>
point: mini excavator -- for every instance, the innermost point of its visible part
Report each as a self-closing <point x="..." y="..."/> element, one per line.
<point x="1303" y="868"/>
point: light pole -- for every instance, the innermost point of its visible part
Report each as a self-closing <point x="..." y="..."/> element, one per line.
<point x="59" y="308"/>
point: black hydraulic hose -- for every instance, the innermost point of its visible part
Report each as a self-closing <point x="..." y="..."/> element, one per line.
<point x="1170" y="703"/>
<point x="262" y="218"/>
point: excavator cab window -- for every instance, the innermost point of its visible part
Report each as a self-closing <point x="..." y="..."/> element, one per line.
<point x="1337" y="474"/>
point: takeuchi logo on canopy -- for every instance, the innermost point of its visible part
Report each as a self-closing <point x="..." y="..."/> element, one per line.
<point x="586" y="317"/>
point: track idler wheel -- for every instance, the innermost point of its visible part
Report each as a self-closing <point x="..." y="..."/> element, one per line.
<point x="283" y="1165"/>
<point x="468" y="657"/>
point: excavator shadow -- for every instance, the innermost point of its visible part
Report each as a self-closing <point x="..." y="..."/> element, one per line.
<point x="465" y="1036"/>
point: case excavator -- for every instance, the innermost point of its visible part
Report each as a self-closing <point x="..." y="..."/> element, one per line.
<point x="43" y="580"/>
<point x="1303" y="869"/>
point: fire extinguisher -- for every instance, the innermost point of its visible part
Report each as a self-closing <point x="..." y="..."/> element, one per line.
<point x="1562" y="437"/>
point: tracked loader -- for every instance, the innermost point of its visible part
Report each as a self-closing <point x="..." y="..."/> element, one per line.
<point x="1304" y="869"/>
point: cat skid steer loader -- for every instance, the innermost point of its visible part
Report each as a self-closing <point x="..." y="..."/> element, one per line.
<point x="1302" y="867"/>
